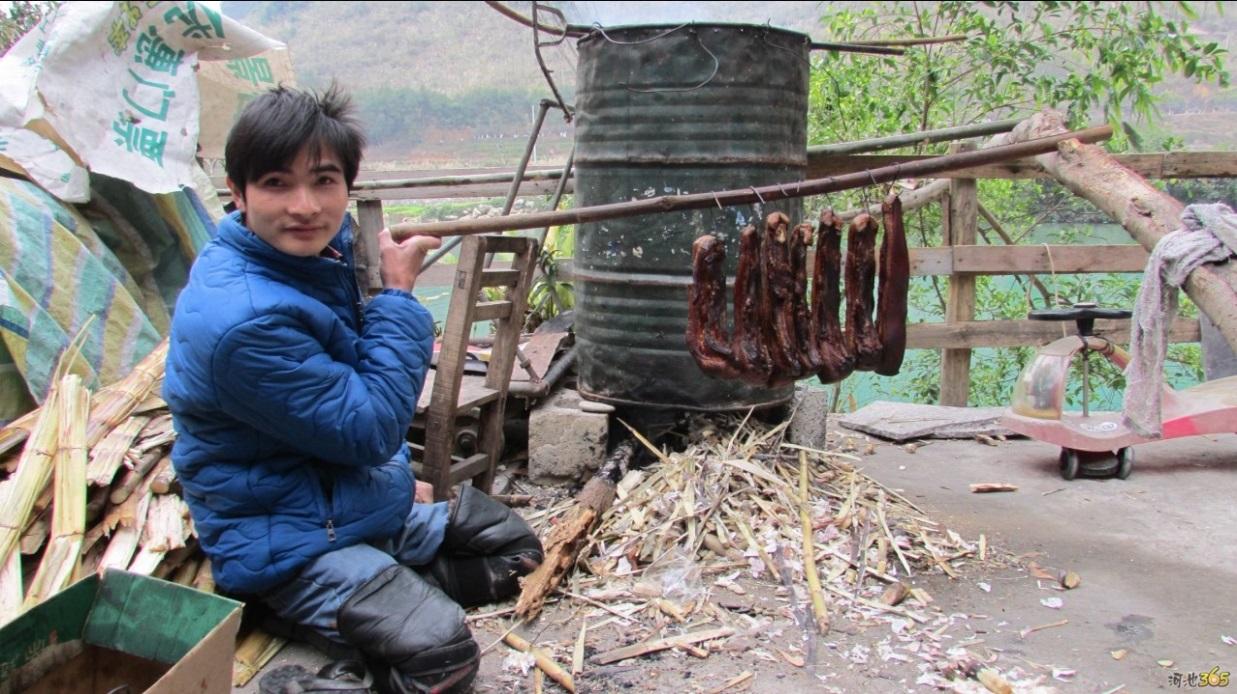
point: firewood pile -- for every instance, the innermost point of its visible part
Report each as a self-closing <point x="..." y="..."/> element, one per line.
<point x="694" y="545"/>
<point x="89" y="486"/>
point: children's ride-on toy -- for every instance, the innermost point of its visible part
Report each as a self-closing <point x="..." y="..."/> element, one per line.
<point x="1099" y="444"/>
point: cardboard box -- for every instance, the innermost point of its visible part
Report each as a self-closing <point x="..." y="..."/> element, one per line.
<point x="101" y="634"/>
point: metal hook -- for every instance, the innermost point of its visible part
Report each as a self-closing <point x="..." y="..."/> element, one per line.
<point x="757" y="192"/>
<point x="719" y="202"/>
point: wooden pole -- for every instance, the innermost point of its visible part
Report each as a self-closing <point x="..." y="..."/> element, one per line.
<point x="370" y="220"/>
<point x="747" y="196"/>
<point x="961" y="223"/>
<point x="1145" y="212"/>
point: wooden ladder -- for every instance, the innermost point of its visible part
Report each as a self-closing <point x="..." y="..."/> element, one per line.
<point x="454" y="394"/>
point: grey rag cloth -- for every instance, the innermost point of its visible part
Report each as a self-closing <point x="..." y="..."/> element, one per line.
<point x="1209" y="235"/>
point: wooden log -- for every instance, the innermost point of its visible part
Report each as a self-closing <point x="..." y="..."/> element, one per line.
<point x="1145" y="212"/>
<point x="747" y="196"/>
<point x="563" y="545"/>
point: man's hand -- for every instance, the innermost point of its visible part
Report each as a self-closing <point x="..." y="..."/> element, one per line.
<point x="400" y="263"/>
<point x="424" y="493"/>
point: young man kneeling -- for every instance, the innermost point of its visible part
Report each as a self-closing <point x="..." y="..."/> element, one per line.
<point x="291" y="397"/>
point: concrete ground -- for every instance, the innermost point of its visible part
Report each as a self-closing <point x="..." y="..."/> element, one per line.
<point x="1157" y="555"/>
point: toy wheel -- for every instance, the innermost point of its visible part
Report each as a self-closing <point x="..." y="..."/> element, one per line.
<point x="1125" y="462"/>
<point x="1069" y="463"/>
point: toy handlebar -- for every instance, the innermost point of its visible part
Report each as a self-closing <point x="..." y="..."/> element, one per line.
<point x="1083" y="314"/>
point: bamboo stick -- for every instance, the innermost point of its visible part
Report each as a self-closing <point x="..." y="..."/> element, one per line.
<point x="544" y="662"/>
<point x="69" y="504"/>
<point x="819" y="609"/>
<point x="746" y="196"/>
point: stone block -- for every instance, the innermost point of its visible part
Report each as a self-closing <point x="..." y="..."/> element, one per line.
<point x="565" y="444"/>
<point x="807" y="427"/>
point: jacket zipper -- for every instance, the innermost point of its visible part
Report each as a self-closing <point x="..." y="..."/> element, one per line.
<point x="328" y="498"/>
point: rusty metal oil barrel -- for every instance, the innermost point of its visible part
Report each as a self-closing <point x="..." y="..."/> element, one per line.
<point x="664" y="110"/>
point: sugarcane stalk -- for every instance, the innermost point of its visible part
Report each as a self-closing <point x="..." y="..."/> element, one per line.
<point x="544" y="662"/>
<point x="106" y="457"/>
<point x="253" y="652"/>
<point x="34" y="470"/>
<point x="819" y="609"/>
<point x="69" y="504"/>
<point x="205" y="579"/>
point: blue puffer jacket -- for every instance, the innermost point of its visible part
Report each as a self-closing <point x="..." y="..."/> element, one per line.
<point x="291" y="403"/>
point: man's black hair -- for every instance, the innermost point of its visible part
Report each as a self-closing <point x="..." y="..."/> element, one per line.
<point x="274" y="127"/>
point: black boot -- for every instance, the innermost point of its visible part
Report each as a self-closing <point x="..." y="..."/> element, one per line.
<point x="485" y="550"/>
<point x="413" y="635"/>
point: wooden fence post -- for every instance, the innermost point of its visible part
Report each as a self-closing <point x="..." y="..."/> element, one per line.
<point x="370" y="221"/>
<point x="960" y="218"/>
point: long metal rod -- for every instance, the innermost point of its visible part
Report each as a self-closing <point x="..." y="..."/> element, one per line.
<point x="558" y="193"/>
<point x="543" y="107"/>
<point x="781" y="191"/>
<point x="428" y="181"/>
<point x="855" y="48"/>
<point x="578" y="30"/>
<point x="940" y="135"/>
<point x="842" y="148"/>
<point x="517" y="177"/>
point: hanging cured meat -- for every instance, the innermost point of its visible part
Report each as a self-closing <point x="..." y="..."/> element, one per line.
<point x="784" y="332"/>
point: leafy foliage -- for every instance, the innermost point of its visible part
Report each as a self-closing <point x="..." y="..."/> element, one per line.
<point x="1089" y="59"/>
<point x="22" y="16"/>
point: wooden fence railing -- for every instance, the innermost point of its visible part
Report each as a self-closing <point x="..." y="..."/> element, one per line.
<point x="960" y="258"/>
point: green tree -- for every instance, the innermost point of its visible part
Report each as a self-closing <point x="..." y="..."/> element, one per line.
<point x="1091" y="60"/>
<point x="21" y="17"/>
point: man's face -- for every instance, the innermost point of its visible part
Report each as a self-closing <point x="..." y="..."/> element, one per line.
<point x="297" y="210"/>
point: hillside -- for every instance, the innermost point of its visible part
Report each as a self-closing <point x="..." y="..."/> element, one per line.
<point x="456" y="84"/>
<point x="443" y="83"/>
